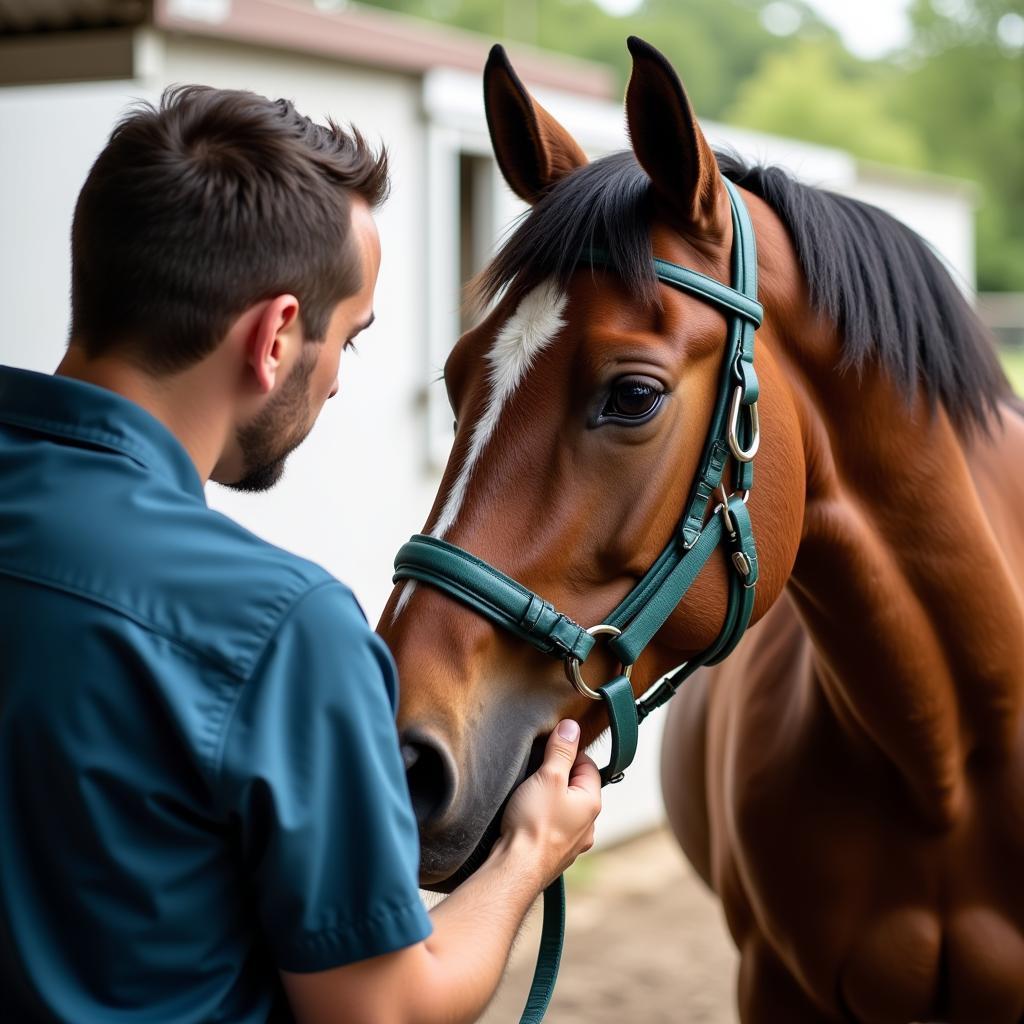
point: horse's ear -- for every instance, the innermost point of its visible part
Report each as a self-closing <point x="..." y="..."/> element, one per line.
<point x="669" y="144"/>
<point x="533" y="150"/>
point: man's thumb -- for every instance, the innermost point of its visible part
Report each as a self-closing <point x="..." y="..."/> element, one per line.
<point x="563" y="743"/>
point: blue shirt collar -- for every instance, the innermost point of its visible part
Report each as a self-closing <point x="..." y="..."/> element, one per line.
<point x="68" y="408"/>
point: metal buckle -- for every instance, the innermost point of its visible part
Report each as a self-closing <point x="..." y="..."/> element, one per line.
<point x="722" y="508"/>
<point x="742" y="565"/>
<point x="740" y="453"/>
<point x="572" y="663"/>
<point x="739" y="560"/>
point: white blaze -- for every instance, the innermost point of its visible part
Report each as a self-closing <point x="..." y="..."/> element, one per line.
<point x="531" y="328"/>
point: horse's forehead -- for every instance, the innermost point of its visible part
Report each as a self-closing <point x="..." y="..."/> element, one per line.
<point x="532" y="327"/>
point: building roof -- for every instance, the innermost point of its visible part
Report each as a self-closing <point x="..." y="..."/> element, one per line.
<point x="350" y="33"/>
<point x="26" y="16"/>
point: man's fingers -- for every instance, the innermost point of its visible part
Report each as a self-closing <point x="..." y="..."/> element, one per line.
<point x="560" y="753"/>
<point x="585" y="775"/>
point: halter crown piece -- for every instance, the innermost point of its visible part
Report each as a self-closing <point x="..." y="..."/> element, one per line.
<point x="733" y="433"/>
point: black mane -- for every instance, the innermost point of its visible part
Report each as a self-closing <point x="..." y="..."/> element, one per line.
<point x="879" y="282"/>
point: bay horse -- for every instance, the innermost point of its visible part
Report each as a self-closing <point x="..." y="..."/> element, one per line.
<point x="850" y="782"/>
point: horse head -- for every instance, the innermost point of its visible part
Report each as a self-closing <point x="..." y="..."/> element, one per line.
<point x="582" y="403"/>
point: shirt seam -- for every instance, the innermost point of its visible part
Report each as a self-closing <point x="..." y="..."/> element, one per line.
<point x="257" y="666"/>
<point x="239" y="672"/>
<point x="63" y="586"/>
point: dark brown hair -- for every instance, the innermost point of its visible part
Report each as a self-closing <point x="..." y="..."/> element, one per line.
<point x="201" y="207"/>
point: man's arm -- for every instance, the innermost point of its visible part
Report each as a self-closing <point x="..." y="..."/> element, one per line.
<point x="450" y="977"/>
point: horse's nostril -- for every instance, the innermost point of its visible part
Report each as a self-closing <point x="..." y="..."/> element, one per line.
<point x="430" y="778"/>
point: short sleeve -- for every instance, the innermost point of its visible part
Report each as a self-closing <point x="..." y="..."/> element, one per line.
<point x="311" y="769"/>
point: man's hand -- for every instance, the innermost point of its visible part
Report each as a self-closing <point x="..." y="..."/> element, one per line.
<point x="553" y="811"/>
<point x="451" y="976"/>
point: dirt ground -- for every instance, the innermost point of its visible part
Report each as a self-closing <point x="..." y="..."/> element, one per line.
<point x="645" y="941"/>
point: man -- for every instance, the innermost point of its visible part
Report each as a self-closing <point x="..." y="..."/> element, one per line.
<point x="204" y="813"/>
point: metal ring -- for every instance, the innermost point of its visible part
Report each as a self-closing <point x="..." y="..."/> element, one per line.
<point x="740" y="453"/>
<point x="722" y="508"/>
<point x="723" y="498"/>
<point x="572" y="663"/>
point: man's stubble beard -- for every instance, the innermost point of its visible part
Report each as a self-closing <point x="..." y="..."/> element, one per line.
<point x="278" y="430"/>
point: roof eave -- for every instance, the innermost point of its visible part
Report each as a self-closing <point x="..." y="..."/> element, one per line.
<point x="375" y="38"/>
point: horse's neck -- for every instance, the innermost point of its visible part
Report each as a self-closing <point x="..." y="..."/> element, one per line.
<point x="907" y="593"/>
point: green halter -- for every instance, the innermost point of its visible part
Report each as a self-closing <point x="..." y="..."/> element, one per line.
<point x="733" y="432"/>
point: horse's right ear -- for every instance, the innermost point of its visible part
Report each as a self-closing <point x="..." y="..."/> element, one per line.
<point x="533" y="150"/>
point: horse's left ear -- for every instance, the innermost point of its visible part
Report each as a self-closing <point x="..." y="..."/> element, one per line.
<point x="669" y="144"/>
<point x="533" y="150"/>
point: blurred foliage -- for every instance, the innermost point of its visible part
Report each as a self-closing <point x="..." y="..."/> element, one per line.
<point x="1013" y="363"/>
<point x="818" y="92"/>
<point x="716" y="44"/>
<point x="951" y="101"/>
<point x="962" y="88"/>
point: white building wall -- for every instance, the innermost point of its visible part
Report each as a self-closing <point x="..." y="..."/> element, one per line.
<point x="49" y="137"/>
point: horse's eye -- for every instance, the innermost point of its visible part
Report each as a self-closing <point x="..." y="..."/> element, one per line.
<point x="634" y="399"/>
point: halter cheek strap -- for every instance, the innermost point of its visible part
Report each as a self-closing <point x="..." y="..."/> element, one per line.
<point x="733" y="435"/>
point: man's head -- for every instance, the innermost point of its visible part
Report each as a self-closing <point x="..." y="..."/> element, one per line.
<point x="225" y="238"/>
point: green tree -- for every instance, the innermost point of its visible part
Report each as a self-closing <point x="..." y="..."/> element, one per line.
<point x="963" y="88"/>
<point x="816" y="91"/>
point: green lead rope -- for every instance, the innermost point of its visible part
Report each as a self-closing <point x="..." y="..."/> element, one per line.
<point x="624" y="718"/>
<point x="549" y="955"/>
<point x="622" y="715"/>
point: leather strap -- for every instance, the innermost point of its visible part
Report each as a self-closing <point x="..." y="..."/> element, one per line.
<point x="622" y="718"/>
<point x="621" y="705"/>
<point x="664" y="598"/>
<point x="730" y="301"/>
<point x="494" y="595"/>
<point x="738" y="611"/>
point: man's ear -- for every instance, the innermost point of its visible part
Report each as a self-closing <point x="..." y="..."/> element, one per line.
<point x="274" y="340"/>
<point x="532" y="149"/>
<point x="670" y="146"/>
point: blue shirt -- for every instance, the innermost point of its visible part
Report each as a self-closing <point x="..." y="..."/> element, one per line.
<point x="200" y="780"/>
